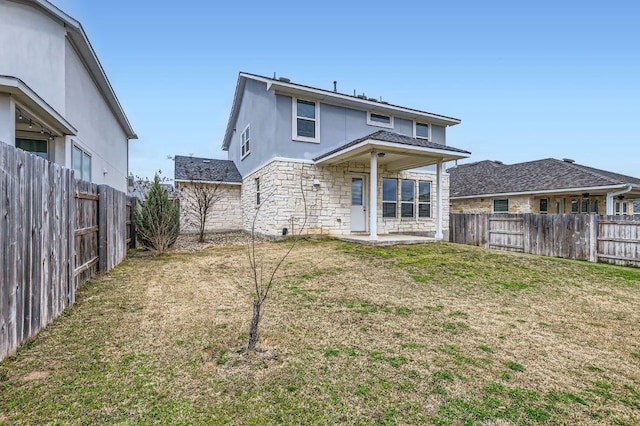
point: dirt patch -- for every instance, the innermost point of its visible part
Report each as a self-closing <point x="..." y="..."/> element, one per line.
<point x="188" y="243"/>
<point x="36" y="375"/>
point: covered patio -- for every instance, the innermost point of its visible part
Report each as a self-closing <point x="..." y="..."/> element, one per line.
<point x="394" y="153"/>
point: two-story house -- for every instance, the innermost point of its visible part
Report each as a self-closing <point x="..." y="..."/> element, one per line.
<point x="55" y="98"/>
<point x="357" y="164"/>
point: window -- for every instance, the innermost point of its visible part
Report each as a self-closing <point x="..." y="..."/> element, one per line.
<point x="501" y="206"/>
<point x="544" y="205"/>
<point x="424" y="199"/>
<point x="621" y="208"/>
<point x="379" y="120"/>
<point x="594" y="206"/>
<point x="81" y="162"/>
<point x="574" y="206"/>
<point x="389" y="197"/>
<point x="421" y="130"/>
<point x="34" y="146"/>
<point x="306" y="126"/>
<point x="246" y="145"/>
<point x="258" y="191"/>
<point x="407" y="198"/>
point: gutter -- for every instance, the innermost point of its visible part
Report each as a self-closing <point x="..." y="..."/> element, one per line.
<point x="610" y="196"/>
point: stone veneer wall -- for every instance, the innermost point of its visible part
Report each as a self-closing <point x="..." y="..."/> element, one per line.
<point x="225" y="214"/>
<point x="328" y="204"/>
<point x="522" y="204"/>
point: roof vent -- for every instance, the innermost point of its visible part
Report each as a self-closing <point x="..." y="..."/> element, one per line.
<point x="285" y="80"/>
<point x="361" y="97"/>
<point x="568" y="160"/>
<point x="498" y="162"/>
<point x="372" y="99"/>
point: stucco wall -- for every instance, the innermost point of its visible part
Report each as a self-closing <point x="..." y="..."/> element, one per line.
<point x="328" y="204"/>
<point x="270" y="116"/>
<point x="99" y="133"/>
<point x="33" y="50"/>
<point x="225" y="213"/>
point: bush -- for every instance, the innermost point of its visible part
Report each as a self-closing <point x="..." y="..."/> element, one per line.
<point x="157" y="219"/>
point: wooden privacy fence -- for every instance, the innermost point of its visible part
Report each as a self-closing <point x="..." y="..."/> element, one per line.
<point x="613" y="239"/>
<point x="55" y="234"/>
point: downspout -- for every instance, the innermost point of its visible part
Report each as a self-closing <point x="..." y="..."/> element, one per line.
<point x="610" y="196"/>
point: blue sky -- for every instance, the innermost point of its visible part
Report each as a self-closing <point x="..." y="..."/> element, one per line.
<point x="529" y="80"/>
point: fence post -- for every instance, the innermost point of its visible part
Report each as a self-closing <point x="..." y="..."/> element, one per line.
<point x="593" y="238"/>
<point x="103" y="230"/>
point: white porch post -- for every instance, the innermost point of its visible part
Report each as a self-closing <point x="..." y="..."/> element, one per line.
<point x="7" y="119"/>
<point x="439" y="234"/>
<point x="610" y="204"/>
<point x="373" y="198"/>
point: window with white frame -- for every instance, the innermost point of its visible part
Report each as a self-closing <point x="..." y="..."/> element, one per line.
<point x="621" y="208"/>
<point x="501" y="206"/>
<point x="379" y="120"/>
<point x="424" y="199"/>
<point x="306" y="123"/>
<point x="81" y="161"/>
<point x="544" y="205"/>
<point x="421" y="130"/>
<point x="39" y="147"/>
<point x="246" y="141"/>
<point x="389" y="197"/>
<point x="575" y="206"/>
<point x="407" y="198"/>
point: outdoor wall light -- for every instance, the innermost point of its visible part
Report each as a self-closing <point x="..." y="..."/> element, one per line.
<point x="381" y="154"/>
<point x="585" y="195"/>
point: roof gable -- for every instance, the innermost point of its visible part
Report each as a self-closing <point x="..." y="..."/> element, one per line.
<point x="490" y="177"/>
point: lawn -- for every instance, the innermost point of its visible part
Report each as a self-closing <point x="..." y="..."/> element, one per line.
<point x="425" y="334"/>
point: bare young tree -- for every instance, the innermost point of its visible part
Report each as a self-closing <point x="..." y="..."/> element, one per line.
<point x="199" y="197"/>
<point x="263" y="278"/>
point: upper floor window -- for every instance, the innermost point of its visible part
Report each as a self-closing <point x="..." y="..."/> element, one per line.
<point x="380" y="120"/>
<point x="81" y="162"/>
<point x="306" y="123"/>
<point x="421" y="130"/>
<point x="501" y="206"/>
<point x="246" y="144"/>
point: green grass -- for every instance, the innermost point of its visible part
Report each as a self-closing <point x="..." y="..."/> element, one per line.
<point x="427" y="334"/>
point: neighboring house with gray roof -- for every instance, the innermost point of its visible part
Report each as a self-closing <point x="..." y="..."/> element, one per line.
<point x="356" y="162"/>
<point x="541" y="186"/>
<point x="217" y="181"/>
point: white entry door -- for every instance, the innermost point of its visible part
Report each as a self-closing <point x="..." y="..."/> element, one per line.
<point x="358" y="205"/>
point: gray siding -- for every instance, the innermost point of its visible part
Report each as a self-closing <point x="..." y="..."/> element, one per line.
<point x="270" y="116"/>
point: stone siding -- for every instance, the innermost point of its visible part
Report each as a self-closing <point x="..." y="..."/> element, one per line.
<point x="328" y="203"/>
<point x="525" y="204"/>
<point x="225" y="214"/>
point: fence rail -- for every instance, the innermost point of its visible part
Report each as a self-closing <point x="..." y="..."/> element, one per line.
<point x="55" y="234"/>
<point x="613" y="239"/>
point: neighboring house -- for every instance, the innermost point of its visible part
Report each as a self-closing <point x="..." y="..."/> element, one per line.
<point x="350" y="159"/>
<point x="220" y="182"/>
<point x="636" y="208"/>
<point x="139" y="189"/>
<point x="542" y="186"/>
<point x="55" y="98"/>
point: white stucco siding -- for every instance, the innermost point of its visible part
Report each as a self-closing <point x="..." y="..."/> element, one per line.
<point x="33" y="50"/>
<point x="99" y="132"/>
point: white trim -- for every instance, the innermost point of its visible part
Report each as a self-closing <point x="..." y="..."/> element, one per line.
<point x="367" y="104"/>
<point x="371" y="122"/>
<point x="294" y="120"/>
<point x="375" y="142"/>
<point x="243" y="142"/>
<point x="415" y="135"/>
<point x="373" y="197"/>
<point x="549" y="191"/>
<point x="215" y="182"/>
<point x="440" y="208"/>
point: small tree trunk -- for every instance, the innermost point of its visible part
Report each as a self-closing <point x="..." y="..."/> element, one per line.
<point x="201" y="238"/>
<point x="253" y="329"/>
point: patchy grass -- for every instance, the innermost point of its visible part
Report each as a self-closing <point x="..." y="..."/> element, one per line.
<point x="427" y="334"/>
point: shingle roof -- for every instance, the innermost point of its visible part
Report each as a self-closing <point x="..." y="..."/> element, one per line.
<point x="385" y="136"/>
<point x="206" y="169"/>
<point x="491" y="177"/>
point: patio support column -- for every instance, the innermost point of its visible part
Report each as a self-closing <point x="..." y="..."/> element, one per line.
<point x="7" y="119"/>
<point x="439" y="234"/>
<point x="373" y="198"/>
